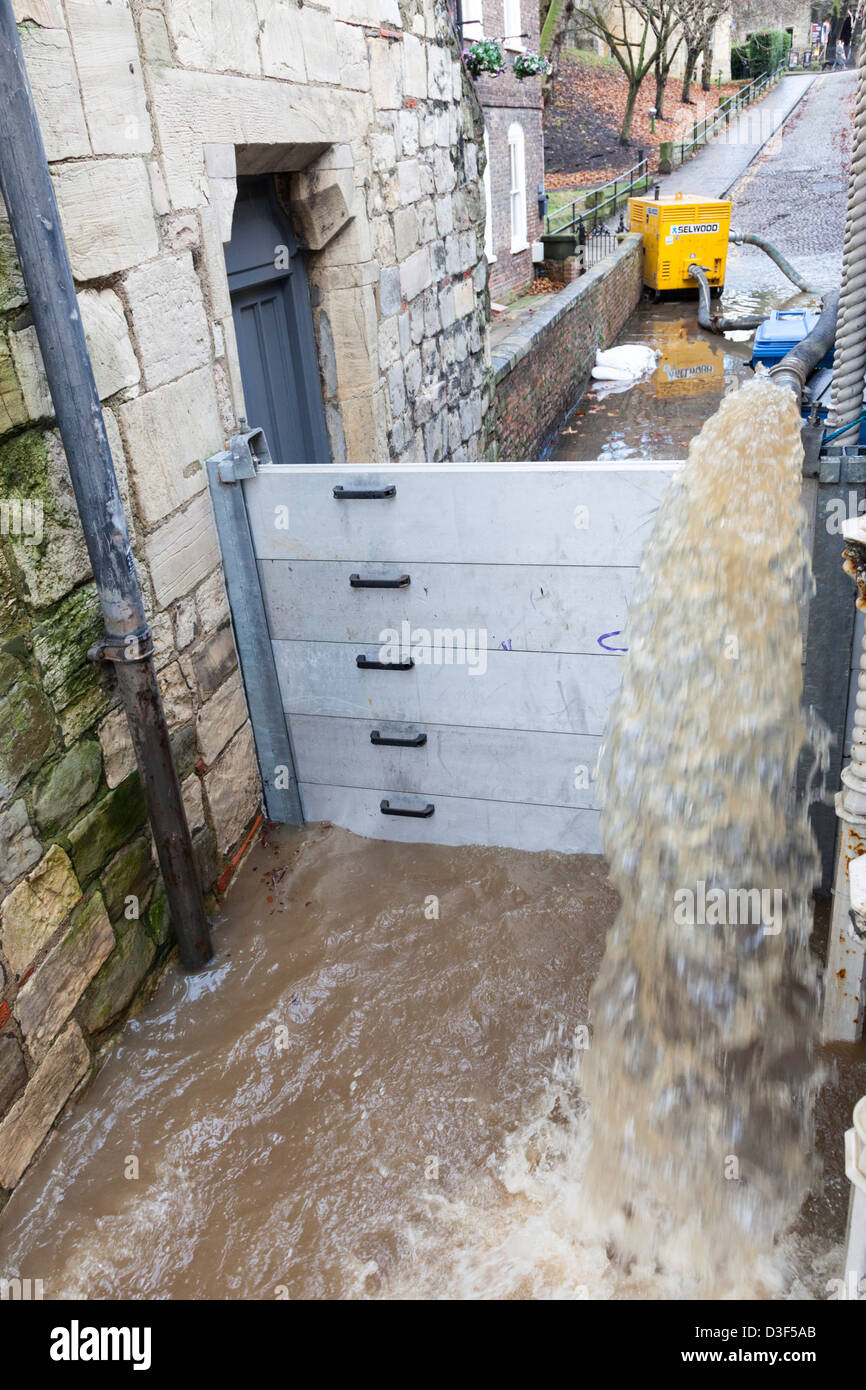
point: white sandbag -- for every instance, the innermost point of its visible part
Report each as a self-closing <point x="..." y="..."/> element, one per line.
<point x="613" y="374"/>
<point x="627" y="360"/>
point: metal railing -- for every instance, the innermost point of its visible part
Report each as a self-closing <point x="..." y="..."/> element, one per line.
<point x="589" y="247"/>
<point x="600" y="203"/>
<point x="703" y="131"/>
<point x="595" y="245"/>
<point x="604" y="204"/>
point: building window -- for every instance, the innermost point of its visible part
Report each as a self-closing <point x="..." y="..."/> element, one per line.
<point x="488" y="206"/>
<point x="513" y="26"/>
<point x="473" y="21"/>
<point x="517" y="163"/>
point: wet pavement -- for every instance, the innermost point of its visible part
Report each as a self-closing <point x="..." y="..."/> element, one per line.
<point x="715" y="169"/>
<point x="796" y="193"/>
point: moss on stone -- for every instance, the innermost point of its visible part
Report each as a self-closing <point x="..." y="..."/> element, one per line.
<point x="61" y="790"/>
<point x="24" y="468"/>
<point x="117" y="982"/>
<point x="129" y="874"/>
<point x="13" y="619"/>
<point x="158" y="919"/>
<point x="79" y="692"/>
<point x="26" y="724"/>
<point x="112" y="822"/>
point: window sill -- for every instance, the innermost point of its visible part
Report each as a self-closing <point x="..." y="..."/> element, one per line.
<point x="516" y="250"/>
<point x="491" y="260"/>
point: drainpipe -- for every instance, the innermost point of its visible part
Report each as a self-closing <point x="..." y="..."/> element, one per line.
<point x="128" y="642"/>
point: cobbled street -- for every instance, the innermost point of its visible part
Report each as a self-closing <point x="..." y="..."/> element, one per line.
<point x="795" y="192"/>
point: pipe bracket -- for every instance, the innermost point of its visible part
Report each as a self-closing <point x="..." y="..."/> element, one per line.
<point x="134" y="646"/>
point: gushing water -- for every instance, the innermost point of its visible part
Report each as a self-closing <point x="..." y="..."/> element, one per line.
<point x="701" y="1076"/>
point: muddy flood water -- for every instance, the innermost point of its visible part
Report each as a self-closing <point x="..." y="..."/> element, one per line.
<point x="361" y="1099"/>
<point x="657" y="417"/>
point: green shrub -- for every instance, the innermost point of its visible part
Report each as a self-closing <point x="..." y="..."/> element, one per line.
<point x="767" y="49"/>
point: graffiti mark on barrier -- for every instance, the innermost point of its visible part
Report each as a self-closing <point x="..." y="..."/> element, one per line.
<point x="602" y="642"/>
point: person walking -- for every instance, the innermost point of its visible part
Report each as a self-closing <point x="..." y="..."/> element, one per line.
<point x="843" y="39"/>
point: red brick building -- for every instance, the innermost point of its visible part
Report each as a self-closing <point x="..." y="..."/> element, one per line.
<point x="514" y="138"/>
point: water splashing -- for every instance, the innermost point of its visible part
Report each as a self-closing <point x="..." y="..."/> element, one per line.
<point x="701" y="1075"/>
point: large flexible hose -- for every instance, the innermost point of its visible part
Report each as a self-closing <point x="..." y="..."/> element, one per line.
<point x="798" y="365"/>
<point x="717" y="323"/>
<point x="849" y="367"/>
<point x="752" y="239"/>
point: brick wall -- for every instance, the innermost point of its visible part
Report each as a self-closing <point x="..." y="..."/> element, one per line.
<point x="510" y="272"/>
<point x="543" y="367"/>
<point x="504" y="99"/>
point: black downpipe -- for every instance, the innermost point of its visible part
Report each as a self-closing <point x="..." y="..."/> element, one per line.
<point x="128" y="643"/>
<point x="795" y="369"/>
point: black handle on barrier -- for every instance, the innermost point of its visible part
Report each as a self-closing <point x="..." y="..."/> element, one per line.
<point x="365" y="664"/>
<point x="416" y="741"/>
<point x="344" y="494"/>
<point x="402" y="581"/>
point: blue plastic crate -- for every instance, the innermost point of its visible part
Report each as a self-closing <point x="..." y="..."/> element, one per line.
<point x="783" y="330"/>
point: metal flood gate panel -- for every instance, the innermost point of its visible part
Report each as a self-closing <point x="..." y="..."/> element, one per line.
<point x="430" y="650"/>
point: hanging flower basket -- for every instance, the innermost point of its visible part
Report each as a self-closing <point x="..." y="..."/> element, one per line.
<point x="485" y="56"/>
<point x="531" y="65"/>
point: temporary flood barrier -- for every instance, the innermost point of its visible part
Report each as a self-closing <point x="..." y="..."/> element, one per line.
<point x="430" y="650"/>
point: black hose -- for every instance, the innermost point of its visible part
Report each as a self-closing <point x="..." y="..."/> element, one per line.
<point x="795" y="369"/>
<point x="716" y="323"/>
<point x="785" y="266"/>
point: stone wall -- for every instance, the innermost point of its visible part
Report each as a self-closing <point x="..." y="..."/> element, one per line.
<point x="149" y="113"/>
<point x="542" y="368"/>
<point x="796" y="15"/>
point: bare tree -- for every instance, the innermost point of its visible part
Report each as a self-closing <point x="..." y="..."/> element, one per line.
<point x="665" y="24"/>
<point x="698" y="19"/>
<point x="553" y="30"/>
<point x="636" y="55"/>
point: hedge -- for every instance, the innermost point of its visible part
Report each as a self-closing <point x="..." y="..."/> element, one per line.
<point x="766" y="50"/>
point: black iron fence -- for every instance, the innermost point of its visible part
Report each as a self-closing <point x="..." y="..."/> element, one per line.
<point x="594" y="245"/>
<point x="601" y="203"/>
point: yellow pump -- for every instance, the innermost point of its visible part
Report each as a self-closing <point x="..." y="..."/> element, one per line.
<point x="679" y="232"/>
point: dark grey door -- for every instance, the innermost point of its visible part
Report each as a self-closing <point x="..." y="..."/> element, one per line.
<point x="274" y="328"/>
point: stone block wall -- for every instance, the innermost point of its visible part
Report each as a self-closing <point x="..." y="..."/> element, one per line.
<point x="544" y="365"/>
<point x="149" y="112"/>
